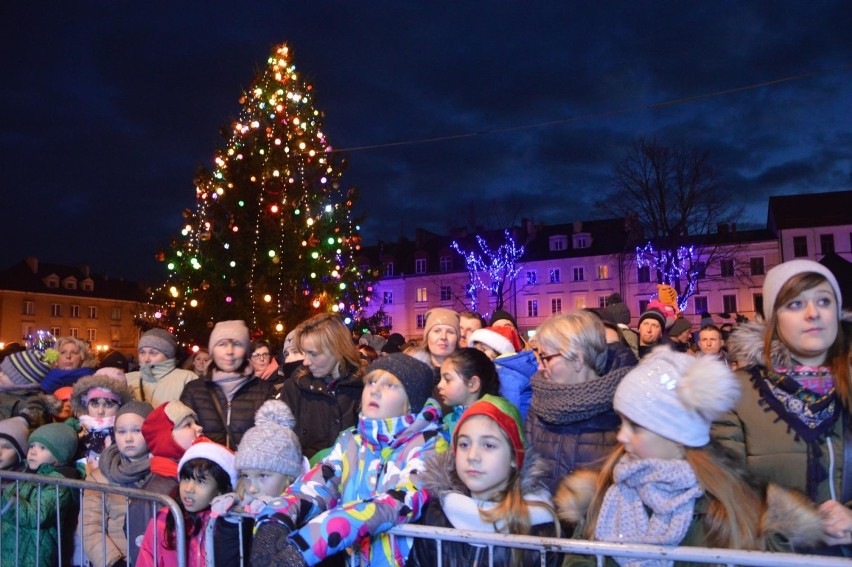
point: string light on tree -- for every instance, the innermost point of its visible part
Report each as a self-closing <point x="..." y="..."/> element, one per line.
<point x="673" y="266"/>
<point x="491" y="269"/>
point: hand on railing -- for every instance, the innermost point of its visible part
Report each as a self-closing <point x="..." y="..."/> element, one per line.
<point x="222" y="504"/>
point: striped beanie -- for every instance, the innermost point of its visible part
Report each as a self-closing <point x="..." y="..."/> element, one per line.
<point x="24" y="370"/>
<point x="507" y="417"/>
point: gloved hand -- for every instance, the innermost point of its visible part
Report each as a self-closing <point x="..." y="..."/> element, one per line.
<point x="271" y="546"/>
<point x="222" y="504"/>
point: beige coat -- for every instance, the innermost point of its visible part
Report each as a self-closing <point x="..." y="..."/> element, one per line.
<point x="167" y="389"/>
<point x="100" y="538"/>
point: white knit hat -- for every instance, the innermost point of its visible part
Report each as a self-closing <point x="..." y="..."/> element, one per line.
<point x="204" y="448"/>
<point x="491" y="339"/>
<point x="234" y="330"/>
<point x="677" y="395"/>
<point x="778" y="276"/>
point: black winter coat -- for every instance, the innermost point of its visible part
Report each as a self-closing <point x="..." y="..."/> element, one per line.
<point x="322" y="410"/>
<point x="197" y="394"/>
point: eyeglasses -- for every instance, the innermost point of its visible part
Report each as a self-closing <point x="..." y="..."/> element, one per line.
<point x="546" y="358"/>
<point x="260" y="355"/>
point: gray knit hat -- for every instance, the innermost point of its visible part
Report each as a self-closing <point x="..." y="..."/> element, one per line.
<point x="618" y="309"/>
<point x="142" y="409"/>
<point x="17" y="432"/>
<point x="160" y="339"/>
<point x="271" y="445"/>
<point x="416" y="377"/>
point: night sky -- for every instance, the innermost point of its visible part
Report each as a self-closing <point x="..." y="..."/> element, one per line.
<point x="108" y="107"/>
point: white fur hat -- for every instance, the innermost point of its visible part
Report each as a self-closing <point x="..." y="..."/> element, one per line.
<point x="677" y="395"/>
<point x="778" y="276"/>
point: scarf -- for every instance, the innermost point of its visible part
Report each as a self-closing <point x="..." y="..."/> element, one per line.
<point x="118" y="469"/>
<point x="271" y="370"/>
<point x="164" y="466"/>
<point x="667" y="489"/>
<point x="563" y="404"/>
<point x="230" y="382"/>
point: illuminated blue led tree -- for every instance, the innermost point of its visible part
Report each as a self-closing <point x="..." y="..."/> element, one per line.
<point x="676" y="268"/>
<point x="491" y="269"/>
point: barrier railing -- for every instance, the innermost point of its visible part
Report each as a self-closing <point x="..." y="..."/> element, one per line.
<point x="10" y="488"/>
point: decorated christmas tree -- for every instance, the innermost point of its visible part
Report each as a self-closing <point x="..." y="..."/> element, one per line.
<point x="272" y="236"/>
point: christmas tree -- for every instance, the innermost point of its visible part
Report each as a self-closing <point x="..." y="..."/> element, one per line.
<point x="272" y="237"/>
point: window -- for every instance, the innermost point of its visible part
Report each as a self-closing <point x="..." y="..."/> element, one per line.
<point x="389" y="269"/>
<point x="532" y="277"/>
<point x="532" y="308"/>
<point x="115" y="314"/>
<point x="556" y="306"/>
<point x="75" y="311"/>
<point x="29" y="308"/>
<point x="52" y="283"/>
<point x="93" y="312"/>
<point x="422" y="295"/>
<point x="446" y="293"/>
<point x="729" y="303"/>
<point x="70" y="283"/>
<point x="826" y="243"/>
<point x="115" y="336"/>
<point x="603" y="272"/>
<point x="643" y="274"/>
<point x="602" y="301"/>
<point x="446" y="263"/>
<point x="700" y="304"/>
<point x="420" y="266"/>
<point x="579" y="302"/>
<point x="88" y="285"/>
<point x="579" y="274"/>
<point x="758" y="302"/>
<point x="387" y="321"/>
<point x="55" y="331"/>
<point x="91" y="335"/>
<point x="558" y="243"/>
<point x="555" y="275"/>
<point x="387" y="297"/>
<point x="421" y="320"/>
<point x="582" y="241"/>
<point x="55" y="310"/>
<point x="726" y="268"/>
<point x="74" y="332"/>
<point x="800" y="246"/>
<point x="700" y="270"/>
<point x="643" y="305"/>
<point x="757" y="268"/>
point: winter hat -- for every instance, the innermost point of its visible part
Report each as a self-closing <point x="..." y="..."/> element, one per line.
<point x="142" y="409"/>
<point x="157" y="429"/>
<point x="64" y="393"/>
<point x="395" y="340"/>
<point x="234" y="330"/>
<point x="706" y="319"/>
<point x="204" y="448"/>
<point x="58" y="438"/>
<point x="99" y="386"/>
<point x="778" y="276"/>
<point x="271" y="445"/>
<point x="655" y="314"/>
<point x="112" y="372"/>
<point x="160" y="339"/>
<point x="500" y="314"/>
<point x="507" y="417"/>
<point x="441" y="316"/>
<point x="618" y="309"/>
<point x="416" y="377"/>
<point x="289" y="340"/>
<point x="17" y="432"/>
<point x="680" y="325"/>
<point x="677" y="395"/>
<point x="491" y="337"/>
<point x="114" y="359"/>
<point x="25" y="370"/>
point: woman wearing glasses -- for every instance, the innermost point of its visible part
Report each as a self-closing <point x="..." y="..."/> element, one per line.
<point x="571" y="423"/>
<point x="264" y="364"/>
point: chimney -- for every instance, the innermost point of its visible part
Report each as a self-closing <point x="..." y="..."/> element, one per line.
<point x="85" y="269"/>
<point x="578" y="227"/>
<point x="722" y="228"/>
<point x="32" y="262"/>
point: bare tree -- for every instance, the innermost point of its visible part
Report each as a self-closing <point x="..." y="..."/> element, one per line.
<point x="492" y="269"/>
<point x="673" y="204"/>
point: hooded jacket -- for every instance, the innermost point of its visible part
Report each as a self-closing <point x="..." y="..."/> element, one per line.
<point x="515" y="371"/>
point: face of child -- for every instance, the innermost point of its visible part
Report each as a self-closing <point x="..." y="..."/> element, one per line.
<point x="318" y="360"/>
<point x="645" y="444"/>
<point x="292" y="354"/>
<point x="128" y="436"/>
<point x="489" y="352"/>
<point x="65" y="412"/>
<point x="186" y="432"/>
<point x="808" y="324"/>
<point x="452" y="388"/>
<point x="229" y="354"/>
<point x="442" y="341"/>
<point x="70" y="357"/>
<point x="196" y="494"/>
<point x="263" y="483"/>
<point x="484" y="458"/>
<point x="148" y="355"/>
<point x="39" y="455"/>
<point x="8" y="455"/>
<point x="201" y="362"/>
<point x="383" y="396"/>
<point x="710" y="341"/>
<point x="101" y="407"/>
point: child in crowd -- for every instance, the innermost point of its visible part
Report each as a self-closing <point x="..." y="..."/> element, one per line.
<point x="22" y="372"/>
<point x="206" y="470"/>
<point x="466" y="375"/>
<point x="665" y="484"/>
<point x="63" y="396"/>
<point x="30" y="532"/>
<point x="489" y="482"/>
<point x="106" y="517"/>
<point x="158" y="379"/>
<point x="14" y="442"/>
<point x="96" y="399"/>
<point x="367" y="484"/>
<point x="515" y="366"/>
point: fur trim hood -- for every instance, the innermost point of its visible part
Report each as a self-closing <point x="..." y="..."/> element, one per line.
<point x="745" y="345"/>
<point x="86" y="383"/>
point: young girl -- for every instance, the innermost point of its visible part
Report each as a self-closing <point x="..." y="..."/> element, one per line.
<point x="124" y="463"/>
<point x="96" y="399"/>
<point x="665" y="484"/>
<point x="206" y="470"/>
<point x="14" y="441"/>
<point x="490" y="482"/>
<point x="466" y="375"/>
<point x="515" y="366"/>
<point x="367" y="484"/>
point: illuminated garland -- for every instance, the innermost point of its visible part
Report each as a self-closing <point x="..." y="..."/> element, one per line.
<point x="495" y="266"/>
<point x="674" y="266"/>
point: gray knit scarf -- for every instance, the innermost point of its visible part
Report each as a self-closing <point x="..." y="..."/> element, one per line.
<point x="120" y="470"/>
<point x="562" y="404"/>
<point x="667" y="488"/>
<point x="230" y="382"/>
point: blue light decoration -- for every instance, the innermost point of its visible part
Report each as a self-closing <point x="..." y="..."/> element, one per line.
<point x="674" y="266"/>
<point x="496" y="266"/>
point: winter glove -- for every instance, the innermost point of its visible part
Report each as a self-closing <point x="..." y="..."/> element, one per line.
<point x="272" y="546"/>
<point x="222" y="504"/>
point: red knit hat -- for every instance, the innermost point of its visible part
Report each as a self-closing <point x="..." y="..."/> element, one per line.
<point x="507" y="417"/>
<point x="158" y="426"/>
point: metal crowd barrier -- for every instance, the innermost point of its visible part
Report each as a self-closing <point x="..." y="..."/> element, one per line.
<point x="12" y="480"/>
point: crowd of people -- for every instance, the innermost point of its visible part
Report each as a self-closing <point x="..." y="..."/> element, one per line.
<point x="732" y="438"/>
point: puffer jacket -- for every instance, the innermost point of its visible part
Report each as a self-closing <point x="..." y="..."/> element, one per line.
<point x="451" y="506"/>
<point x="322" y="409"/>
<point x="515" y="371"/>
<point x="238" y="414"/>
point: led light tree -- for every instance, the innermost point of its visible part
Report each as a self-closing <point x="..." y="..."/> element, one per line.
<point x="491" y="269"/>
<point x="272" y="237"/>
